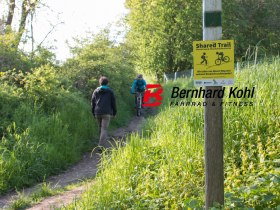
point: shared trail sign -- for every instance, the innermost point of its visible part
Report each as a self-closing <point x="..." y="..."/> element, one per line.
<point x="213" y="62"/>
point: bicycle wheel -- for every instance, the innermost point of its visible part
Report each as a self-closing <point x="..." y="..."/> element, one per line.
<point x="138" y="112"/>
<point x="218" y="61"/>
<point x="226" y="59"/>
<point x="139" y="104"/>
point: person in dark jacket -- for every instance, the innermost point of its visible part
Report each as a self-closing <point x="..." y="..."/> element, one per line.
<point x="103" y="104"/>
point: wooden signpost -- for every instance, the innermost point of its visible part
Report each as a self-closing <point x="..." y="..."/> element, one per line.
<point x="213" y="115"/>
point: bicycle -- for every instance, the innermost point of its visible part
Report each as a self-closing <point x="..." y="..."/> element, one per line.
<point x="139" y="97"/>
<point x="225" y="59"/>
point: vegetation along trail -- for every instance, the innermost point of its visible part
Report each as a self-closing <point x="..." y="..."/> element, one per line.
<point x="47" y="131"/>
<point x="86" y="168"/>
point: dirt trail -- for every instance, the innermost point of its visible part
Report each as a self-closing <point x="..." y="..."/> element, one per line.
<point x="84" y="169"/>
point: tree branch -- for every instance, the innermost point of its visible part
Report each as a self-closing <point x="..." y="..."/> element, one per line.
<point x="53" y="27"/>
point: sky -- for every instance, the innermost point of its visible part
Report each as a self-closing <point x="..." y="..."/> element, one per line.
<point x="73" y="19"/>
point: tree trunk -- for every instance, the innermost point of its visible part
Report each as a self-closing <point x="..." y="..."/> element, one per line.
<point x="25" y="9"/>
<point x="10" y="17"/>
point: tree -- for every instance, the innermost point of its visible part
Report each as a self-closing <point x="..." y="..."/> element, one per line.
<point x="12" y="5"/>
<point x="12" y="29"/>
<point x="27" y="8"/>
<point x="251" y="23"/>
<point x="162" y="31"/>
<point x="99" y="56"/>
<point x="10" y="57"/>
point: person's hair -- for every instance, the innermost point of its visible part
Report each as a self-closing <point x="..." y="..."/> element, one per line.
<point x="140" y="76"/>
<point x="103" y="80"/>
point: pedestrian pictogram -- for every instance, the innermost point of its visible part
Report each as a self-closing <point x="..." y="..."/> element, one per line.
<point x="213" y="62"/>
<point x="204" y="59"/>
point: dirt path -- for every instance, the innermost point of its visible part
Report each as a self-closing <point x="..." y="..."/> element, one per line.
<point x="83" y="170"/>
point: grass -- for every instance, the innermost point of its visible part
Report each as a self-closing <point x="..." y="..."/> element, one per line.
<point x="164" y="168"/>
<point x="44" y="127"/>
<point x="43" y="191"/>
<point x="24" y="201"/>
<point x="37" y="145"/>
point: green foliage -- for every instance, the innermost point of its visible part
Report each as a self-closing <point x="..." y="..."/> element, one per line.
<point x="44" y="126"/>
<point x="10" y="57"/>
<point x="252" y="142"/>
<point x="42" y="56"/>
<point x="162" y="31"/>
<point x="24" y="201"/>
<point x="13" y="58"/>
<point x="46" y="121"/>
<point x="164" y="169"/>
<point x="98" y="56"/>
<point x="251" y="23"/>
<point x="21" y="203"/>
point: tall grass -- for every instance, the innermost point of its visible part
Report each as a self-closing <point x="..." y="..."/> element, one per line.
<point x="252" y="141"/>
<point x="36" y="145"/>
<point x="44" y="126"/>
<point x="164" y="168"/>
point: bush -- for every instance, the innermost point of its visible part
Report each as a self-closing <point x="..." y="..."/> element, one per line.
<point x="10" y="57"/>
<point x="45" y="127"/>
<point x="46" y="119"/>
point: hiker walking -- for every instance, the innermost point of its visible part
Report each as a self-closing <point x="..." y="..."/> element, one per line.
<point x="103" y="104"/>
<point x="204" y="60"/>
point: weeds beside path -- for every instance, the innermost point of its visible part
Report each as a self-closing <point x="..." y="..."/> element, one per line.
<point x="81" y="171"/>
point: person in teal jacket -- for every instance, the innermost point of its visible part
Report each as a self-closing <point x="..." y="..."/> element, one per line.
<point x="139" y="85"/>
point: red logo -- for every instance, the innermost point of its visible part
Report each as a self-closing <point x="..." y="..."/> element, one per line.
<point x="156" y="95"/>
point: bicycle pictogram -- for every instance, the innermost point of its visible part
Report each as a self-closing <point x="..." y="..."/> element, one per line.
<point x="221" y="58"/>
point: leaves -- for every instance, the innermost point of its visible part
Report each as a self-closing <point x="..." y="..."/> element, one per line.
<point x="162" y="32"/>
<point x="98" y="56"/>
